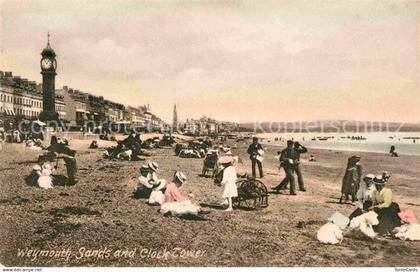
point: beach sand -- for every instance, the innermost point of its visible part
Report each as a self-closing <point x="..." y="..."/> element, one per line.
<point x="100" y="213"/>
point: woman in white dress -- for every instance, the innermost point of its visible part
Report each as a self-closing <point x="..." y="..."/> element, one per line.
<point x="229" y="181"/>
<point x="158" y="185"/>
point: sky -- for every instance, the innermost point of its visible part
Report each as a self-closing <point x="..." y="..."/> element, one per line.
<point x="242" y="61"/>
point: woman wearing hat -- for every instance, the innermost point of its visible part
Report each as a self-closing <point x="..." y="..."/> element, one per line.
<point x="364" y="196"/>
<point x="173" y="192"/>
<point x="152" y="175"/>
<point x="158" y="185"/>
<point x="386" y="209"/>
<point x="144" y="187"/>
<point x="157" y="196"/>
<point x="176" y="203"/>
<point x="351" y="179"/>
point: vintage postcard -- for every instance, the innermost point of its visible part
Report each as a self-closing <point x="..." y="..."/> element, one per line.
<point x="231" y="133"/>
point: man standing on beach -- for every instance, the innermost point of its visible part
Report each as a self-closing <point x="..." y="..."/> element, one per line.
<point x="288" y="160"/>
<point x="300" y="149"/>
<point x="255" y="151"/>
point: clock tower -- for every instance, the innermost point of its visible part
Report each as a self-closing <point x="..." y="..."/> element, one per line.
<point x="48" y="68"/>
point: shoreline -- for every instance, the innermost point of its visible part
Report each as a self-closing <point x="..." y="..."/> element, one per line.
<point x="339" y="149"/>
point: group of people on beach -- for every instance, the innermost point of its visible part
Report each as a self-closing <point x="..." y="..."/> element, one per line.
<point x="289" y="160"/>
<point x="42" y="174"/>
<point x="170" y="196"/>
<point x="370" y="194"/>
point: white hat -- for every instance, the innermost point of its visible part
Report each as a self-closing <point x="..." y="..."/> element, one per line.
<point x="180" y="176"/>
<point x="153" y="166"/>
<point x="379" y="180"/>
<point x="370" y="176"/>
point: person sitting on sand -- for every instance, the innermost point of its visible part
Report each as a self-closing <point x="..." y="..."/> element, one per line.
<point x="152" y="182"/>
<point x="392" y="151"/>
<point x="93" y="145"/>
<point x="144" y="187"/>
<point x="173" y="192"/>
<point x="364" y="196"/>
<point x="386" y="209"/>
<point x="44" y="173"/>
<point x="229" y="180"/>
<point x="56" y="149"/>
<point x="152" y="174"/>
<point x="351" y="179"/>
<point x="176" y="202"/>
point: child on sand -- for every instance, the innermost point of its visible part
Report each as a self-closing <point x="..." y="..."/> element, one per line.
<point x="229" y="181"/>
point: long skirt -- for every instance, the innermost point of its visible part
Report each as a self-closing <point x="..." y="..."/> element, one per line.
<point x="388" y="219"/>
<point x="179" y="208"/>
<point x="142" y="192"/>
<point x="156" y="197"/>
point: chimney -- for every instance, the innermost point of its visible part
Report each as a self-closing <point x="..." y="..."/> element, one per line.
<point x="32" y="84"/>
<point x="24" y="81"/>
<point x="17" y="80"/>
<point x="1" y="73"/>
<point x="8" y="74"/>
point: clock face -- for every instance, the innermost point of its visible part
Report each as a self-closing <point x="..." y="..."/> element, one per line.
<point x="46" y="63"/>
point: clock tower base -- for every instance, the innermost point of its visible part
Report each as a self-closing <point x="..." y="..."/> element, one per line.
<point x="46" y="116"/>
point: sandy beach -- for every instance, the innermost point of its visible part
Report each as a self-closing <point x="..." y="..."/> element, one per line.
<point x="99" y="213"/>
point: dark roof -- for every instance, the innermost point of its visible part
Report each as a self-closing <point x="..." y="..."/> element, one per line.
<point x="48" y="51"/>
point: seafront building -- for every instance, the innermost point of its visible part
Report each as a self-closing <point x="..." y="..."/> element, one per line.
<point x="21" y="99"/>
<point x="206" y="125"/>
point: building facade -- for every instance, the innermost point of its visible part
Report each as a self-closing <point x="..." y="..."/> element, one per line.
<point x="22" y="99"/>
<point x="206" y="125"/>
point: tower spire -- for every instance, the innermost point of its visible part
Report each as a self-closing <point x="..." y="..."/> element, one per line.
<point x="175" y="120"/>
<point x="48" y="43"/>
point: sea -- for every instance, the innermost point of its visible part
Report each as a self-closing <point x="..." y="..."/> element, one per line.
<point x="406" y="143"/>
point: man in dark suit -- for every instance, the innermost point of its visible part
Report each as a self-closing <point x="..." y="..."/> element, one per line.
<point x="255" y="150"/>
<point x="61" y="150"/>
<point x="288" y="160"/>
<point x="300" y="149"/>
